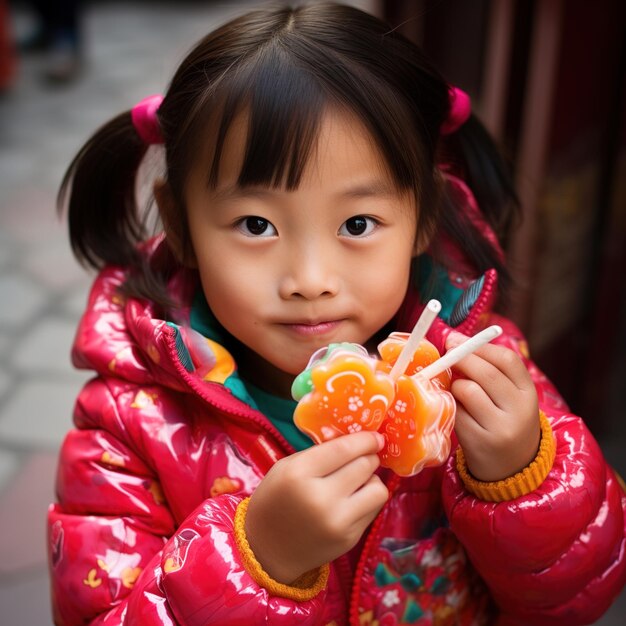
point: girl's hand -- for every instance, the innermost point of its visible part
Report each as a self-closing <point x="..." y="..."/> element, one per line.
<point x="497" y="417"/>
<point x="313" y="506"/>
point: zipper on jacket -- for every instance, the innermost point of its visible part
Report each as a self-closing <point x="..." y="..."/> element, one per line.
<point x="234" y="408"/>
<point x="372" y="538"/>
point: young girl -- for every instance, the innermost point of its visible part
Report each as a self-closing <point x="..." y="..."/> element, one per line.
<point x="322" y="181"/>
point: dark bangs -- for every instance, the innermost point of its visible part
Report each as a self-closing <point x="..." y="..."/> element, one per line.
<point x="284" y="106"/>
<point x="286" y="83"/>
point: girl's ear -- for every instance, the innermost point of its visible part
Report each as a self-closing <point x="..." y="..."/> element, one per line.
<point x="425" y="232"/>
<point x="174" y="223"/>
<point x="427" y="228"/>
<point x="423" y="239"/>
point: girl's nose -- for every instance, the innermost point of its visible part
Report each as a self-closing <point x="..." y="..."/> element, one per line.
<point x="309" y="275"/>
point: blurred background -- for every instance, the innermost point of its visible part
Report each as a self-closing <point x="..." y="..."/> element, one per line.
<point x="546" y="76"/>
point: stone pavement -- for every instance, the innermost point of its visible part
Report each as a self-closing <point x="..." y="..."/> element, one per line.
<point x="132" y="50"/>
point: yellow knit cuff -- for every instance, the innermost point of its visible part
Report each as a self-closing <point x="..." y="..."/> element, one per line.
<point x="304" y="588"/>
<point x="520" y="484"/>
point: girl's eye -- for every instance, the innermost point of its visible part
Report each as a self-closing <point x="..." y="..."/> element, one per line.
<point x="358" y="226"/>
<point x="256" y="227"/>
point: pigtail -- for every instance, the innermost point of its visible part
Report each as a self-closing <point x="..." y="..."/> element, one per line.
<point x="99" y="191"/>
<point x="105" y="225"/>
<point x="488" y="175"/>
<point x="471" y="153"/>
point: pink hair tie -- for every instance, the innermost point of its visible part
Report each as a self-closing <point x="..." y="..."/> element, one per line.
<point x="145" y="120"/>
<point x="460" y="110"/>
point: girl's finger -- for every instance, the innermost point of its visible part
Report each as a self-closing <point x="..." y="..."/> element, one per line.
<point x="328" y="457"/>
<point x="467" y="429"/>
<point x="506" y="360"/>
<point x="368" y="500"/>
<point x="475" y="401"/>
<point x="353" y="475"/>
<point x="495" y="383"/>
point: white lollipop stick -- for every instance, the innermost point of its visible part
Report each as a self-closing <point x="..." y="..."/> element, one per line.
<point x="417" y="334"/>
<point x="460" y="352"/>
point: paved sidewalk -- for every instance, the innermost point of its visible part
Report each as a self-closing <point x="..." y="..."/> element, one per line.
<point x="132" y="50"/>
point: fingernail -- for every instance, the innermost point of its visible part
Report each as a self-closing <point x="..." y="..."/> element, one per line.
<point x="381" y="440"/>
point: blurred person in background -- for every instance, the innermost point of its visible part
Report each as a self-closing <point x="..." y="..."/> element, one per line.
<point x="57" y="33"/>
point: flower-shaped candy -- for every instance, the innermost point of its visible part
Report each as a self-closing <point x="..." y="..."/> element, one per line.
<point x="347" y="394"/>
<point x="417" y="426"/>
<point x="426" y="353"/>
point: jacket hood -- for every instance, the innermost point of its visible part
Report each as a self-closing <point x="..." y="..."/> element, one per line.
<point x="126" y="337"/>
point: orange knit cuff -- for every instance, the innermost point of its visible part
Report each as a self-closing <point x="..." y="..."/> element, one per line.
<point x="520" y="484"/>
<point x="306" y="587"/>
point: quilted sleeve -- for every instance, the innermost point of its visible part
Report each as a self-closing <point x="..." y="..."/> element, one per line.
<point x="556" y="553"/>
<point x="116" y="554"/>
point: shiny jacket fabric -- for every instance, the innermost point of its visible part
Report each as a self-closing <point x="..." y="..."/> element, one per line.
<point x="151" y="475"/>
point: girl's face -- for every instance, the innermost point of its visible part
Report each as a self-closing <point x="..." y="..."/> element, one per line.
<point x="287" y="272"/>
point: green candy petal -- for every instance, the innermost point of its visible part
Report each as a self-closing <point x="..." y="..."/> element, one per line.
<point x="303" y="384"/>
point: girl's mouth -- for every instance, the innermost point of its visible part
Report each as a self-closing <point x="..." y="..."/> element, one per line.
<point x="313" y="330"/>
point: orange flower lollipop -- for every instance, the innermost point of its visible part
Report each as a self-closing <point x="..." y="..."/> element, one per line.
<point x="424" y="354"/>
<point x="405" y="395"/>
<point x="419" y="422"/>
<point x="344" y="390"/>
<point x="340" y="392"/>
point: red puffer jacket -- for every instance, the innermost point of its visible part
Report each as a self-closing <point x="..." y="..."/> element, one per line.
<point x="150" y="479"/>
